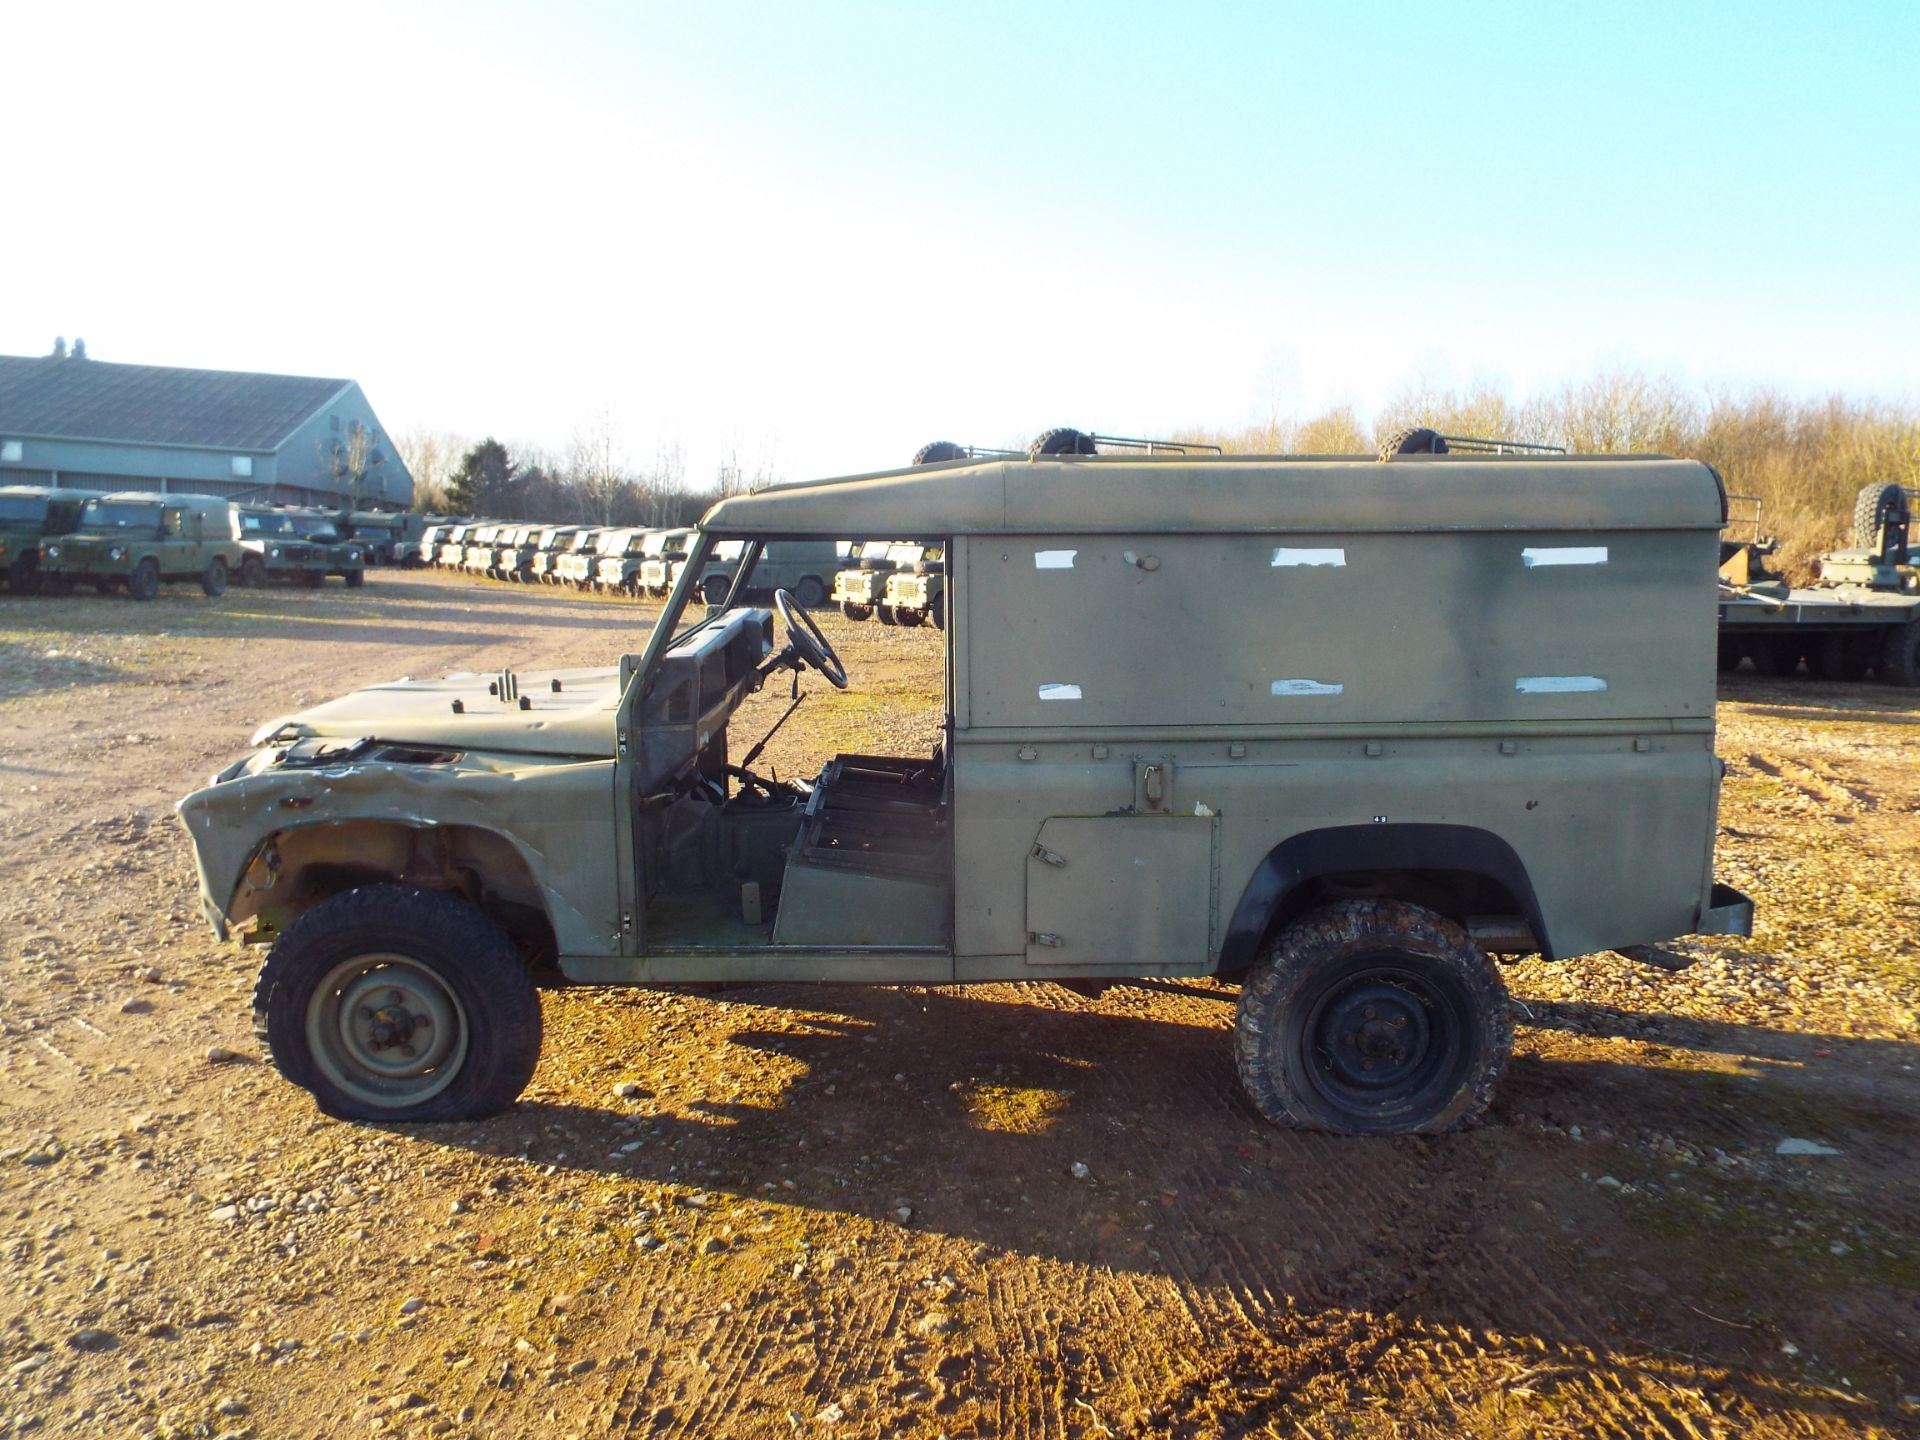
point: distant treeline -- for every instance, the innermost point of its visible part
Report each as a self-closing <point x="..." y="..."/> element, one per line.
<point x="1804" y="459"/>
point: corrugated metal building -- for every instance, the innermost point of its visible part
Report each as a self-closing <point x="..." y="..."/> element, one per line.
<point x="94" y="425"/>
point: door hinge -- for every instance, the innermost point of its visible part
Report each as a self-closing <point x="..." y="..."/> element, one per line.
<point x="1046" y="938"/>
<point x="1050" y="857"/>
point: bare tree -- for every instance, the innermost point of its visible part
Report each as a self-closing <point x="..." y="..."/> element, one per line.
<point x="596" y="468"/>
<point x="666" y="484"/>
<point x="431" y="456"/>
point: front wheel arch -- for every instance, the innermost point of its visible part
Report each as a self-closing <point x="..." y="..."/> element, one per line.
<point x="1453" y="869"/>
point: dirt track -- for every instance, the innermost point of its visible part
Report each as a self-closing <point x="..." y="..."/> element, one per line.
<point x="851" y="1212"/>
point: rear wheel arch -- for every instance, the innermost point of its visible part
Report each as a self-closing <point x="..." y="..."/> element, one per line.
<point x="1455" y="870"/>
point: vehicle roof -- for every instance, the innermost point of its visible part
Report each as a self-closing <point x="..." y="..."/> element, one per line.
<point x="50" y="492"/>
<point x="153" y="497"/>
<point x="1224" y="493"/>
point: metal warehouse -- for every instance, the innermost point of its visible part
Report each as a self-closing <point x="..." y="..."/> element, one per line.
<point x="90" y="424"/>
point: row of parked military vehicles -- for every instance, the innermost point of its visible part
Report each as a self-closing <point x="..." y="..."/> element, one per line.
<point x="56" y="539"/>
<point x="898" y="582"/>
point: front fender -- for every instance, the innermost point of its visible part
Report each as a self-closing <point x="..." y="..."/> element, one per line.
<point x="556" y="815"/>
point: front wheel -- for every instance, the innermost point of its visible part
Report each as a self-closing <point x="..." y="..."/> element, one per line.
<point x="855" y="612"/>
<point x="1372" y="1017"/>
<point x="355" y="579"/>
<point x="144" y="582"/>
<point x="213" y="580"/>
<point x="393" y="1003"/>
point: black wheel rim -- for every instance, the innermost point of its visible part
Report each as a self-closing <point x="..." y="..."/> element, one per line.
<point x="1385" y="1037"/>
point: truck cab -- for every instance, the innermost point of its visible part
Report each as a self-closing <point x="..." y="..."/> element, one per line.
<point x="1338" y="731"/>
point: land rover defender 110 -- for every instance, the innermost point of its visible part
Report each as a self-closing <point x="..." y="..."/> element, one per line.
<point x="1335" y="730"/>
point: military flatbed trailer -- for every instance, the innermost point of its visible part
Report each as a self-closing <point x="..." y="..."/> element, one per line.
<point x="1842" y="633"/>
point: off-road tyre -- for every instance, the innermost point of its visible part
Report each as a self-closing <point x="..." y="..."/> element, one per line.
<point x="810" y="592"/>
<point x="1414" y="440"/>
<point x="856" y="612"/>
<point x="714" y="589"/>
<point x="1063" y="441"/>
<point x="1776" y="656"/>
<point x="885" y="615"/>
<point x="253" y="572"/>
<point x="355" y="579"/>
<point x="938" y="453"/>
<point x="1874" y="508"/>
<point x="1900" y="656"/>
<point x="1841" y="657"/>
<point x="1338" y="988"/>
<point x="144" y="582"/>
<point x="908" y="618"/>
<point x="23" y="575"/>
<point x="440" y="939"/>
<point x="213" y="579"/>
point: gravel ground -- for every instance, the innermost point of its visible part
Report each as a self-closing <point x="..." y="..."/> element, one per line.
<point x="996" y="1211"/>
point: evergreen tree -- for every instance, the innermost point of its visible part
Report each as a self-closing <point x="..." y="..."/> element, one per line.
<point x="485" y="480"/>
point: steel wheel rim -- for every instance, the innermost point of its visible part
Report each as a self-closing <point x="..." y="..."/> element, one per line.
<point x="1384" y="1036"/>
<point x="386" y="1029"/>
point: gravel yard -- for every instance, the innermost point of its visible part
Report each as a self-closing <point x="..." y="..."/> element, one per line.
<point x="1001" y="1211"/>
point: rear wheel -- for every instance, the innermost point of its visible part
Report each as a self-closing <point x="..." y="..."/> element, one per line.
<point x="393" y="1003"/>
<point x="213" y="580"/>
<point x="144" y="582"/>
<point x="1900" y="655"/>
<point x="1372" y="1017"/>
<point x="885" y="614"/>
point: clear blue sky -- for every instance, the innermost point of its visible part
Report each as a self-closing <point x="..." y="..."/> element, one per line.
<point x="828" y="233"/>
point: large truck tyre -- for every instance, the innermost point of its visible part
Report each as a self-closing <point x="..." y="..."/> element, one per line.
<point x="1900" y="655"/>
<point x="393" y="1003"/>
<point x="1875" y="508"/>
<point x="1372" y="1017"/>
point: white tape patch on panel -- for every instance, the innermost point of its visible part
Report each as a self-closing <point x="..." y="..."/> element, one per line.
<point x="1054" y="559"/>
<point x="1285" y="555"/>
<point x="1558" y="684"/>
<point x="1059" y="692"/>
<point x="1535" y="556"/>
<point x="1306" y="687"/>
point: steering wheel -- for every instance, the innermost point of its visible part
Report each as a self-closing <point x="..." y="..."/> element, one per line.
<point x="803" y="634"/>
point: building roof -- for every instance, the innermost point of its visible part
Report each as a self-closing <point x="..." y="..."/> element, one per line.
<point x="50" y="398"/>
<point x="1225" y="493"/>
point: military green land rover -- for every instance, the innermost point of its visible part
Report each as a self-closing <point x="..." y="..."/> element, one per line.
<point x="137" y="539"/>
<point x="30" y="515"/>
<point x="275" y="550"/>
<point x="1335" y="730"/>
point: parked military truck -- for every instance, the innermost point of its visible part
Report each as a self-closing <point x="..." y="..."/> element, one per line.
<point x="136" y="539"/>
<point x="389" y="537"/>
<point x="664" y="550"/>
<point x="802" y="566"/>
<point x="1860" y="617"/>
<point x="860" y="585"/>
<point x="1335" y="730"/>
<point x="274" y="549"/>
<point x="30" y="515"/>
<point x="338" y="554"/>
<point x="550" y="564"/>
<point x="917" y="588"/>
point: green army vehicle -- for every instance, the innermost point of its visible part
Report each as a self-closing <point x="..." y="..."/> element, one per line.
<point x="482" y="542"/>
<point x="338" y="554"/>
<point x="860" y="585"/>
<point x="917" y="588"/>
<point x="577" y="567"/>
<point x="389" y="537"/>
<point x="618" y="571"/>
<point x="30" y="515"/>
<point x="137" y="539"/>
<point x="275" y="550"/>
<point x="564" y="544"/>
<point x="665" y="549"/>
<point x="1338" y="731"/>
<point x="452" y="551"/>
<point x="514" y="559"/>
<point x="801" y="566"/>
<point x="1860" y="617"/>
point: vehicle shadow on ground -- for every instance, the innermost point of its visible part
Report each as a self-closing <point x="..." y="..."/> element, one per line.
<point x="973" y="1113"/>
